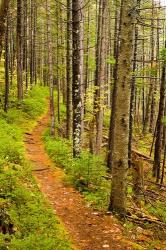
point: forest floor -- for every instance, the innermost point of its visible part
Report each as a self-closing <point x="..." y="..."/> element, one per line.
<point x="88" y="229"/>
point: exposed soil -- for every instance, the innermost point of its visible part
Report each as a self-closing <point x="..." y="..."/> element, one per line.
<point x="88" y="229"/>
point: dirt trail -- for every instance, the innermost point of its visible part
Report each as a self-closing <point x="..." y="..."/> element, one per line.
<point x="88" y="230"/>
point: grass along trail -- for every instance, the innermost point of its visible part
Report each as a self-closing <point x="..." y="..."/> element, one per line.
<point x="88" y="229"/>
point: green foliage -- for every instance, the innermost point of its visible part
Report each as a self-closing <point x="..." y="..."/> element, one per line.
<point x="164" y="120"/>
<point x="34" y="226"/>
<point x="163" y="54"/>
<point x="34" y="223"/>
<point x="139" y="82"/>
<point x="11" y="149"/>
<point x="111" y="60"/>
<point x="92" y="63"/>
<point x="15" y="122"/>
<point x="37" y="107"/>
<point x="137" y="247"/>
<point x="128" y="226"/>
<point x="87" y="173"/>
<point x="15" y="116"/>
<point x="151" y="71"/>
<point x="59" y="150"/>
<point x="107" y="118"/>
<point x="129" y="190"/>
<point x="157" y="210"/>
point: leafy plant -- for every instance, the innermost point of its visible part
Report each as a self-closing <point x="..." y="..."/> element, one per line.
<point x="87" y="173"/>
<point x="25" y="216"/>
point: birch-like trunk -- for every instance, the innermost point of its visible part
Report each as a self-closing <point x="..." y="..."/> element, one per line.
<point x="77" y="77"/>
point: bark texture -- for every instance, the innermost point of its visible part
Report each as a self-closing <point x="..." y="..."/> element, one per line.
<point x="100" y="73"/>
<point x="122" y="106"/>
<point x="3" y="13"/>
<point x="68" y="71"/>
<point x="50" y="66"/>
<point x="19" y="51"/>
<point x="159" y="126"/>
<point x="77" y="78"/>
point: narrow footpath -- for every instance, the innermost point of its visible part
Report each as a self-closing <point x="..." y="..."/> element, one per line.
<point x="88" y="229"/>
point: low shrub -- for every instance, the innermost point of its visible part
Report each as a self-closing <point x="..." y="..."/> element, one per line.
<point x="23" y="207"/>
<point x="26" y="220"/>
<point x="11" y="149"/>
<point x="87" y="173"/>
<point x="35" y="104"/>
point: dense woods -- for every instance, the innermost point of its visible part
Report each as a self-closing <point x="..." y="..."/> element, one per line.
<point x="96" y="72"/>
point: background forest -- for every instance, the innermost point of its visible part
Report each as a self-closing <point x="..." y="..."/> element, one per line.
<point x="96" y="71"/>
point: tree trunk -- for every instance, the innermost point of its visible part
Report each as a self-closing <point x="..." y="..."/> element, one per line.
<point x="50" y="66"/>
<point x="19" y="51"/>
<point x="114" y="93"/>
<point x="87" y="59"/>
<point x="133" y="87"/>
<point x="76" y="85"/>
<point x="100" y="73"/>
<point x="7" y="65"/>
<point x="122" y="106"/>
<point x="68" y="71"/>
<point x="3" y="13"/>
<point x="159" y="126"/>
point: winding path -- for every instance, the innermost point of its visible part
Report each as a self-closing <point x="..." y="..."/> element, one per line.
<point x="88" y="230"/>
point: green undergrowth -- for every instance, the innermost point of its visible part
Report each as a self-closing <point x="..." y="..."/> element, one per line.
<point x="87" y="173"/>
<point x="26" y="220"/>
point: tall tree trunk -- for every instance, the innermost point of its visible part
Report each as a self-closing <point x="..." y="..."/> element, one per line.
<point x="114" y="93"/>
<point x="81" y="69"/>
<point x="87" y="59"/>
<point x="68" y="71"/>
<point x="149" y="116"/>
<point x="50" y="68"/>
<point x="153" y="68"/>
<point x="122" y="106"/>
<point x="19" y="51"/>
<point x="58" y="61"/>
<point x="34" y="43"/>
<point x="100" y="73"/>
<point x="31" y="42"/>
<point x="133" y="88"/>
<point x="76" y="85"/>
<point x="25" y="62"/>
<point x="3" y="13"/>
<point x="132" y="95"/>
<point x="6" y="104"/>
<point x="159" y="126"/>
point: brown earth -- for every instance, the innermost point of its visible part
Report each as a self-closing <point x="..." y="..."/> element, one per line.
<point x="88" y="229"/>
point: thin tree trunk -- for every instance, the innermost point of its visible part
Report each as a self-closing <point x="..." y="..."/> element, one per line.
<point x="3" y="13"/>
<point x="76" y="85"/>
<point x="19" y="51"/>
<point x="132" y="94"/>
<point x="114" y="93"/>
<point x="87" y="59"/>
<point x="68" y="71"/>
<point x="100" y="74"/>
<point x="50" y="66"/>
<point x="6" y="104"/>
